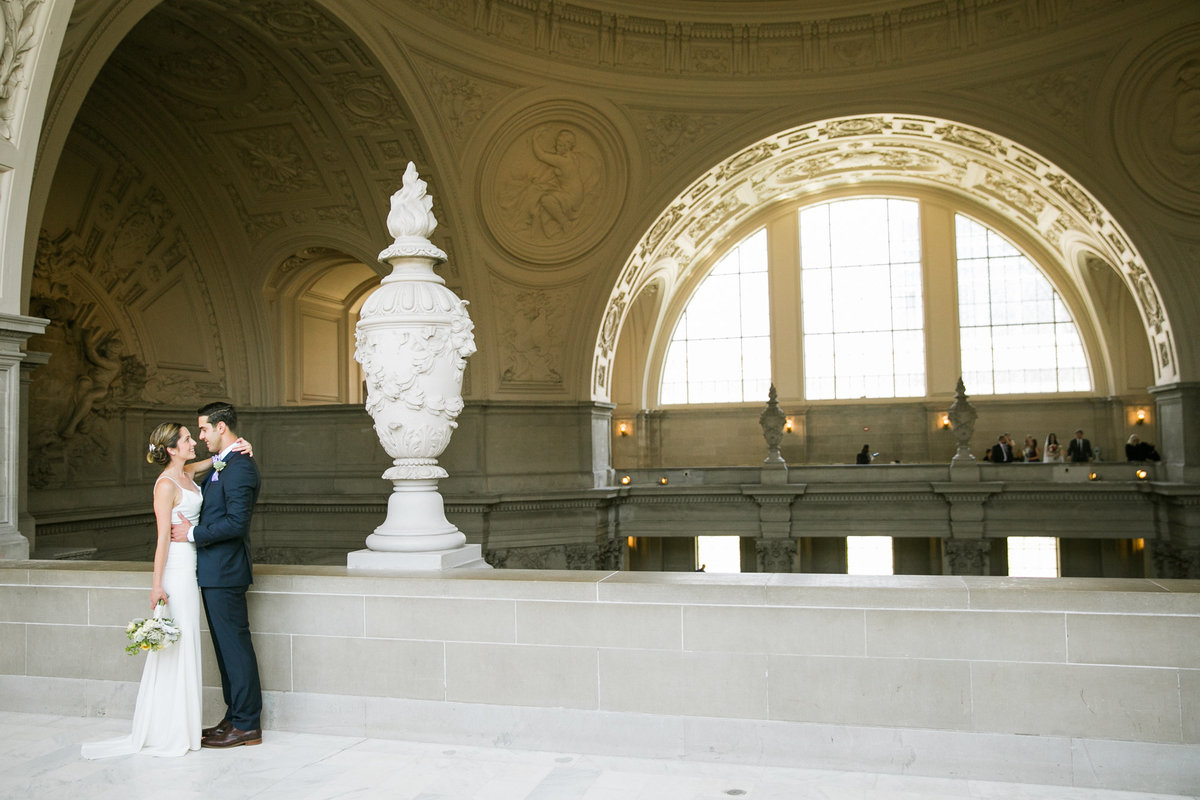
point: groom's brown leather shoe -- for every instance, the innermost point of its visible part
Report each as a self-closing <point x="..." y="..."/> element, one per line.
<point x="216" y="730"/>
<point x="233" y="738"/>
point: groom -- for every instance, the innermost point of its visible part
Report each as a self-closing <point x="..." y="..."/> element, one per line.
<point x="223" y="571"/>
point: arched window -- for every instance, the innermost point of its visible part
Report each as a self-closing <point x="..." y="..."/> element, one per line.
<point x="1015" y="333"/>
<point x="720" y="351"/>
<point x="860" y="262"/>
<point x="871" y="274"/>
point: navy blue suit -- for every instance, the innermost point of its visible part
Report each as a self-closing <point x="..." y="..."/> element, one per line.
<point x="224" y="573"/>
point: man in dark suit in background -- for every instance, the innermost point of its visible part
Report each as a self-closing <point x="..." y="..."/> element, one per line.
<point x="223" y="570"/>
<point x="1002" y="450"/>
<point x="1079" y="451"/>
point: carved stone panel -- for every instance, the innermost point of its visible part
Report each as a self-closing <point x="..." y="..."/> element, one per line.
<point x="553" y="182"/>
<point x="531" y="334"/>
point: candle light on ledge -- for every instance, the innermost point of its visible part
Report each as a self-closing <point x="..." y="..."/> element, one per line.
<point x="624" y="480"/>
<point x="1142" y="474"/>
<point x="663" y="480"/>
<point x="1093" y="476"/>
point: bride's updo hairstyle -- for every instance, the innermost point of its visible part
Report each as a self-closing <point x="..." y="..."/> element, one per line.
<point x="164" y="436"/>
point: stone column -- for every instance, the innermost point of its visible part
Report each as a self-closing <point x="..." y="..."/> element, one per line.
<point x="1176" y="554"/>
<point x="14" y="331"/>
<point x="413" y="339"/>
<point x="1178" y="424"/>
<point x="25" y="521"/>
<point x="966" y="552"/>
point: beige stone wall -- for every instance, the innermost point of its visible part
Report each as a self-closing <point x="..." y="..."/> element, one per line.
<point x="1002" y="679"/>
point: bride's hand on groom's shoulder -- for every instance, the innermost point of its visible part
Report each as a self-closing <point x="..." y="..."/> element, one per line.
<point x="242" y="446"/>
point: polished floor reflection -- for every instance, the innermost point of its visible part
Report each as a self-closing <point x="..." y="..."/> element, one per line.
<point x="39" y="758"/>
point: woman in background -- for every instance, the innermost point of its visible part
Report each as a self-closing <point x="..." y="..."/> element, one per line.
<point x="1052" y="452"/>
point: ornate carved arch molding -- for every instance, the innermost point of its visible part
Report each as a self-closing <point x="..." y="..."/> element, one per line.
<point x="1024" y="188"/>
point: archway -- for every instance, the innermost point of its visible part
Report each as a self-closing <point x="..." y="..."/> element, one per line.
<point x="997" y="174"/>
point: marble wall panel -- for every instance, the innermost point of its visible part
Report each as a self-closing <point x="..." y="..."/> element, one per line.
<point x="631" y="625"/>
<point x="969" y="635"/>
<point x="776" y="630"/>
<point x="1158" y="641"/>
<point x="1127" y="703"/>
<point x="913" y="692"/>
<point x="12" y="649"/>
<point x="368" y="667"/>
<point x="654" y="682"/>
<point x="441" y="619"/>
<point x="521" y="675"/>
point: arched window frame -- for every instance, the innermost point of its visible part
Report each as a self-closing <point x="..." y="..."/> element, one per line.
<point x="939" y="275"/>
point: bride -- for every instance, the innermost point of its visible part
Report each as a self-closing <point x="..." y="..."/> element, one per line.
<point x="166" y="720"/>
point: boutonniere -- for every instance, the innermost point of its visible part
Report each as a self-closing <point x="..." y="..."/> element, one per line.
<point x="218" y="464"/>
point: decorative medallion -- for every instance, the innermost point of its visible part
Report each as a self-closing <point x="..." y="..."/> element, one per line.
<point x="1158" y="120"/>
<point x="553" y="183"/>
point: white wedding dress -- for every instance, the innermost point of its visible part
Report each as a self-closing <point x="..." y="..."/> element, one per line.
<point x="166" y="720"/>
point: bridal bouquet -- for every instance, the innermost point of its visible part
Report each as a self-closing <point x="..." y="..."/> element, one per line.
<point x="150" y="634"/>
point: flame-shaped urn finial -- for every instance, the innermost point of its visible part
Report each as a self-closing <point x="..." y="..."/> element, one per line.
<point x="413" y="339"/>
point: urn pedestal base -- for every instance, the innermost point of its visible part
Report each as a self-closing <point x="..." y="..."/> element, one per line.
<point x="469" y="556"/>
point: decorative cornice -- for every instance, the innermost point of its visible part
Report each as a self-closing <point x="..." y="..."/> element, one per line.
<point x="1132" y="494"/>
<point x="872" y="497"/>
<point x="736" y="42"/>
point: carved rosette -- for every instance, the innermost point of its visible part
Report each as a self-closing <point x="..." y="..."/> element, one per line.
<point x="413" y="339"/>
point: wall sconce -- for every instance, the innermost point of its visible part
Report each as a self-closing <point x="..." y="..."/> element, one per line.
<point x="1142" y="474"/>
<point x="623" y="428"/>
<point x="1093" y="476"/>
<point x="1141" y="417"/>
<point x="945" y="422"/>
<point x="663" y="480"/>
<point x="624" y="480"/>
<point x="789" y="425"/>
<point x="631" y="542"/>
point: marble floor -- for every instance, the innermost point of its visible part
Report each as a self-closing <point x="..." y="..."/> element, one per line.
<point x="39" y="759"/>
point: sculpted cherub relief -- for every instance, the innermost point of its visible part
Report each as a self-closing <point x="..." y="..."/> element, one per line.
<point x="103" y="353"/>
<point x="549" y="192"/>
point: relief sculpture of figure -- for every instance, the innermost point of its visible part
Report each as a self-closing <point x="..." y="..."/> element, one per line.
<point x="104" y="357"/>
<point x="549" y="198"/>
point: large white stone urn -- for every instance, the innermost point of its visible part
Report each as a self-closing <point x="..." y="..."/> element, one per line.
<point x="413" y="339"/>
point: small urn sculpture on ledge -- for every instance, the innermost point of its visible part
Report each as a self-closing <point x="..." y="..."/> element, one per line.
<point x="413" y="339"/>
<point x="772" y="420"/>
<point x="962" y="417"/>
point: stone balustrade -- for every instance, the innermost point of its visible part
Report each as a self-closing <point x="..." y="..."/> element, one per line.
<point x="1074" y="681"/>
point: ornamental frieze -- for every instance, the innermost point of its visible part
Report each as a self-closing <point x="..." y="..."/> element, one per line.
<point x="911" y="33"/>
